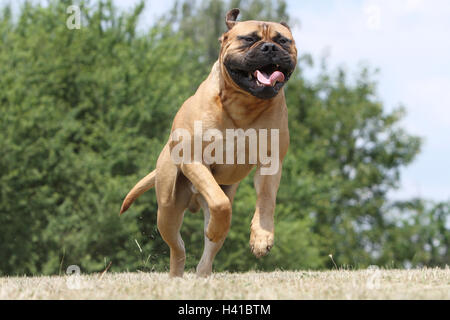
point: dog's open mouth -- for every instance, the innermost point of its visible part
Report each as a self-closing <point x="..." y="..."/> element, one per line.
<point x="261" y="80"/>
<point x="266" y="76"/>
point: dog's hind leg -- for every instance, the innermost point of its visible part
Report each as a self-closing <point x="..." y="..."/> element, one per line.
<point x="173" y="195"/>
<point x="204" y="268"/>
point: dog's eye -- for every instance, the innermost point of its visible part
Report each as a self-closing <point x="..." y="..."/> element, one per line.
<point x="283" y="41"/>
<point x="249" y="39"/>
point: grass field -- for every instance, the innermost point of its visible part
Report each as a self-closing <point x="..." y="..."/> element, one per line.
<point x="342" y="284"/>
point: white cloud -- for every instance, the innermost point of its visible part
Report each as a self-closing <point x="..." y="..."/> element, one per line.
<point x="413" y="5"/>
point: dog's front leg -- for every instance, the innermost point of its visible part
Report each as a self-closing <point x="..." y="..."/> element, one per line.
<point x="218" y="202"/>
<point x="262" y="226"/>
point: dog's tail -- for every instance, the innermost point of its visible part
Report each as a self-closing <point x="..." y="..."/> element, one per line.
<point x="142" y="186"/>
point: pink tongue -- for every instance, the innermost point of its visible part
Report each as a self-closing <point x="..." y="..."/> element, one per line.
<point x="269" y="81"/>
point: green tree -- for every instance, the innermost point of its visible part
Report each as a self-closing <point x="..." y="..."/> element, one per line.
<point x="417" y="234"/>
<point x="84" y="113"/>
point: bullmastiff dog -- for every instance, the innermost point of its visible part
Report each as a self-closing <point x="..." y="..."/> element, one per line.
<point x="243" y="92"/>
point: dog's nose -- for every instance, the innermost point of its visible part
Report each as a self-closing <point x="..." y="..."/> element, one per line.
<point x="269" y="47"/>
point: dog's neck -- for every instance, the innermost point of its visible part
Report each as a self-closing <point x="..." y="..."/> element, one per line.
<point x="242" y="108"/>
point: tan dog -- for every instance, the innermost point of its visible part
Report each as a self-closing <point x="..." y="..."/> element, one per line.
<point x="243" y="91"/>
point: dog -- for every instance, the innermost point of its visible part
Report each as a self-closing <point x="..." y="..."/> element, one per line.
<point x="244" y="91"/>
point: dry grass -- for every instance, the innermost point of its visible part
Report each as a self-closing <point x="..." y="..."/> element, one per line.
<point x="342" y="284"/>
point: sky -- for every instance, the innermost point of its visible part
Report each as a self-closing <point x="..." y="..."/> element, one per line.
<point x="408" y="40"/>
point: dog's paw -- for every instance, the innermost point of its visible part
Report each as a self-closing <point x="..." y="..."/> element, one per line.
<point x="204" y="270"/>
<point x="261" y="242"/>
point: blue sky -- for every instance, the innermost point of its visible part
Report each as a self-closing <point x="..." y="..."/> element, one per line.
<point x="408" y="40"/>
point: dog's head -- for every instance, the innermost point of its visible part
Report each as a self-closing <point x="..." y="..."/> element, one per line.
<point x="259" y="57"/>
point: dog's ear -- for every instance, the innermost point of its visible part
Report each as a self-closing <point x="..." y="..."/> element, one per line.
<point x="283" y="23"/>
<point x="231" y="17"/>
